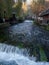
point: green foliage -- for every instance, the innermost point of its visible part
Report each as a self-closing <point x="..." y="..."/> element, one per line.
<point x="20" y="45"/>
<point x="9" y="4"/>
<point x="6" y="5"/>
<point x="48" y="27"/>
<point x="3" y="38"/>
<point x="18" y="8"/>
<point x="45" y="27"/>
<point x="34" y="52"/>
<point x="42" y="54"/>
<point x="1" y="7"/>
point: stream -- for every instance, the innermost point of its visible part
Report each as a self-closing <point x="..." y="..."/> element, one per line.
<point x="17" y="44"/>
<point x="10" y="55"/>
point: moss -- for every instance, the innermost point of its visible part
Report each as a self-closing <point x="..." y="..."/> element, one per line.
<point x="21" y="45"/>
<point x="3" y="38"/>
<point x="39" y="53"/>
<point x="47" y="27"/>
<point x="34" y="52"/>
<point x="42" y="55"/>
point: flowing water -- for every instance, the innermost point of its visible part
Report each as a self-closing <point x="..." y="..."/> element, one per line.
<point x="26" y="33"/>
<point x="10" y="55"/>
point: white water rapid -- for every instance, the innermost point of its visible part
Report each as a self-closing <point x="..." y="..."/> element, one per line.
<point x="10" y="53"/>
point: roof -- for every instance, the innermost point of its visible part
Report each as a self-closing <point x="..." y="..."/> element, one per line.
<point x="44" y="13"/>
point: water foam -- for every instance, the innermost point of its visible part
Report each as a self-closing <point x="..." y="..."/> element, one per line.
<point x="20" y="59"/>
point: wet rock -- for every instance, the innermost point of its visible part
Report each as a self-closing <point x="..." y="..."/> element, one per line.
<point x="8" y="63"/>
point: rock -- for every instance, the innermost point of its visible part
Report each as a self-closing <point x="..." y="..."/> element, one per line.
<point x="8" y="63"/>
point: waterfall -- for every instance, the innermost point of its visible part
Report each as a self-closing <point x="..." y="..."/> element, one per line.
<point x="10" y="53"/>
<point x="12" y="49"/>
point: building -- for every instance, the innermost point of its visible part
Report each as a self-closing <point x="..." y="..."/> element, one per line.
<point x="45" y="16"/>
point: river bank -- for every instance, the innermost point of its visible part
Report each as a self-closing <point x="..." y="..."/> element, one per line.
<point x="4" y="25"/>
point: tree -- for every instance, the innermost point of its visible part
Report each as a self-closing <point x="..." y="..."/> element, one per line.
<point x="9" y="4"/>
<point x="6" y="5"/>
<point x="18" y="8"/>
<point x="47" y="4"/>
<point x="2" y="6"/>
<point x="41" y="1"/>
<point x="38" y="6"/>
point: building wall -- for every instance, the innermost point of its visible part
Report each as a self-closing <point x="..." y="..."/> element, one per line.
<point x="46" y="17"/>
